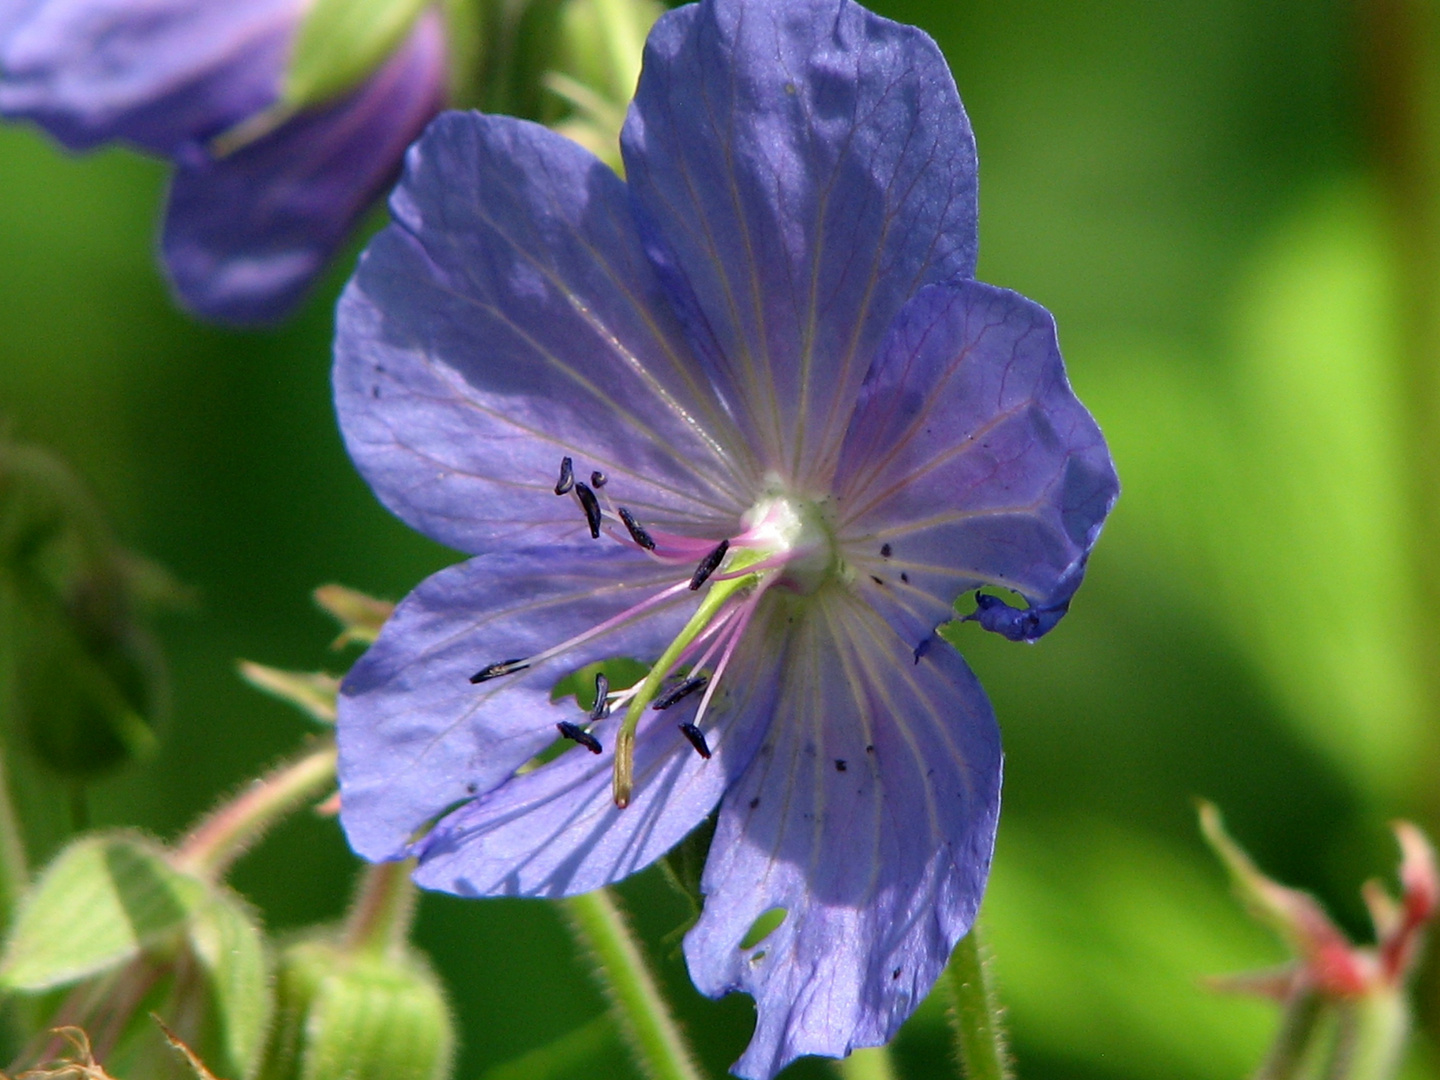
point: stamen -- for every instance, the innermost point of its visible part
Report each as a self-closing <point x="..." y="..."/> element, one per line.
<point x="567" y="476"/>
<point x="610" y="623"/>
<point x="637" y="531"/>
<point x="591" y="506"/>
<point x="697" y="739"/>
<point x="580" y="735"/>
<point x="885" y="550"/>
<point x="504" y="667"/>
<point x="740" y="619"/>
<point x="598" y="479"/>
<point x="684" y="690"/>
<point x="709" y="565"/>
<point x="601" y="708"/>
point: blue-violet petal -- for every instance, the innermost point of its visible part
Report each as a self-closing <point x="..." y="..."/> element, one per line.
<point x="800" y="168"/>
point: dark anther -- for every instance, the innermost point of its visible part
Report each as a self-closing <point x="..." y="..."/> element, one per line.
<point x="592" y="508"/>
<point x="905" y="577"/>
<point x="685" y="689"/>
<point x="580" y="735"/>
<point x="637" y="531"/>
<point x="598" y="479"/>
<point x="870" y="748"/>
<point x="895" y="974"/>
<point x="697" y="739"/>
<point x="924" y="647"/>
<point x="709" y="564"/>
<point x="567" y="476"/>
<point x="876" y="580"/>
<point x="601" y="708"/>
<point x="494" y="671"/>
<point x="840" y="764"/>
<point x="885" y="550"/>
<point x="754" y="802"/>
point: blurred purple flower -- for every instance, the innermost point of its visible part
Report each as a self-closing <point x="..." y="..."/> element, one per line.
<point x="763" y="356"/>
<point x="246" y="232"/>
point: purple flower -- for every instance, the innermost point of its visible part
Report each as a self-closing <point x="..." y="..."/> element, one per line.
<point x="747" y="419"/>
<point x="245" y="232"/>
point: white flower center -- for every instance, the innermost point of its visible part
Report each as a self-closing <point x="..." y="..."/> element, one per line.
<point x="796" y="535"/>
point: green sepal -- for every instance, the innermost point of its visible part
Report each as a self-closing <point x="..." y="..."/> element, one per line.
<point x="361" y="617"/>
<point x="231" y="949"/>
<point x="83" y="679"/>
<point x="340" y="43"/>
<point x="312" y="692"/>
<point x="103" y="901"/>
<point x="360" y="1015"/>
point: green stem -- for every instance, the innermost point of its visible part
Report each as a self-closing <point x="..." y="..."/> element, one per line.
<point x="1298" y="1027"/>
<point x="975" y="1013"/>
<point x="379" y="918"/>
<point x="868" y="1063"/>
<point x="14" y="865"/>
<point x="228" y="832"/>
<point x="654" y="1037"/>
<point x="1370" y="1043"/>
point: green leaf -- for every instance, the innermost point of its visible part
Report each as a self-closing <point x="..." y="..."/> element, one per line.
<point x="340" y="43"/>
<point x="100" y="903"/>
<point x="1268" y="487"/>
<point x="569" y="1055"/>
<point x="358" y="1016"/>
<point x="231" y="948"/>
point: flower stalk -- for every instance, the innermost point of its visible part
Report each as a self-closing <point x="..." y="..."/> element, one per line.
<point x="976" y="1017"/>
<point x="380" y="915"/>
<point x="655" y="1039"/>
<point x="229" y="831"/>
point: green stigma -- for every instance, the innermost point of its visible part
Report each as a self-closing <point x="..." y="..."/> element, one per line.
<point x="720" y="592"/>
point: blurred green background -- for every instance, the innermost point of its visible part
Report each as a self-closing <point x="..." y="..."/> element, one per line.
<point x="1199" y="191"/>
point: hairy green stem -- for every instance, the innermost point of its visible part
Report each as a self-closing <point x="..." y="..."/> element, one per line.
<point x="655" y="1039"/>
<point x="379" y="918"/>
<point x="975" y="1013"/>
<point x="228" y="832"/>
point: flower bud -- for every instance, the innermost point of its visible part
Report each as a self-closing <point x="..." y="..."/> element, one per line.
<point x="358" y="1014"/>
<point x="89" y="680"/>
<point x="1357" y="991"/>
<point x="597" y="64"/>
<point x="113" y="932"/>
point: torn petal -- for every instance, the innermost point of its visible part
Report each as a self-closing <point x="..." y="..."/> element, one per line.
<point x="868" y="816"/>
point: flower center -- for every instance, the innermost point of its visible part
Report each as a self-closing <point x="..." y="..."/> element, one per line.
<point x="784" y="541"/>
<point x="796" y="537"/>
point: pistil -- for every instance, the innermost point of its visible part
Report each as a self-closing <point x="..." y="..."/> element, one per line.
<point x="720" y="594"/>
